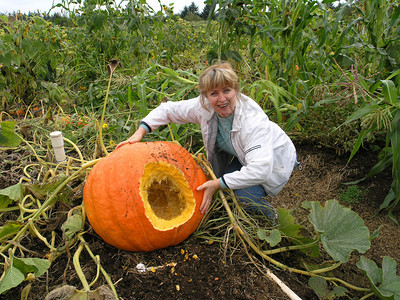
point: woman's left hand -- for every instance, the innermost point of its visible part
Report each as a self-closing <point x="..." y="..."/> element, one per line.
<point x="209" y="187"/>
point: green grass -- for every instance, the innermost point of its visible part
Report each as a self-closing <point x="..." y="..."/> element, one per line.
<point x="352" y="194"/>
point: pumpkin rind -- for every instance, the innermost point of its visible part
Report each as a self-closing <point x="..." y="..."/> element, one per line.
<point x="143" y="196"/>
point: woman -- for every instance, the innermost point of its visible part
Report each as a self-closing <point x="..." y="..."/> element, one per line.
<point x="248" y="153"/>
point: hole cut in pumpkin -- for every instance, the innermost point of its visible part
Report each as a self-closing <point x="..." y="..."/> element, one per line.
<point x="167" y="197"/>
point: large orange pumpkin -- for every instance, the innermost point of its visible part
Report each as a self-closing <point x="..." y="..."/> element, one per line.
<point x="143" y="196"/>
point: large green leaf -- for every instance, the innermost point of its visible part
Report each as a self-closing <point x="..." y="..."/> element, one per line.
<point x="8" y="138"/>
<point x="384" y="282"/>
<point x="341" y="230"/>
<point x="19" y="268"/>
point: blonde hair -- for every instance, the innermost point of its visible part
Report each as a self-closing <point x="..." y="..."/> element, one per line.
<point x="218" y="75"/>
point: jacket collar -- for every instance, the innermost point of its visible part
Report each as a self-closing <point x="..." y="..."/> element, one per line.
<point x="237" y="124"/>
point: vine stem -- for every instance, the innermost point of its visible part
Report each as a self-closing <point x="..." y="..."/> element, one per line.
<point x="51" y="200"/>
<point x="75" y="147"/>
<point x="367" y="296"/>
<point x="42" y="162"/>
<point x="105" y="274"/>
<point x="98" y="265"/>
<point x="41" y="237"/>
<point x="289" y="248"/>
<point x="78" y="269"/>
<point x="104" y="113"/>
<point x="243" y="235"/>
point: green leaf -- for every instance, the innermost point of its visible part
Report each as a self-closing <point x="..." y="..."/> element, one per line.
<point x="6" y="60"/>
<point x="73" y="225"/>
<point x="34" y="265"/>
<point x="360" y="113"/>
<point x="364" y="133"/>
<point x="287" y="225"/>
<point x="41" y="191"/>
<point x="11" y="278"/>
<point x="395" y="138"/>
<point x="295" y="232"/>
<point x="338" y="291"/>
<point x="8" y="137"/>
<point x="234" y="55"/>
<point x="16" y="273"/>
<point x="345" y="32"/>
<point x="141" y="87"/>
<point x="388" y="199"/>
<point x="395" y="16"/>
<point x="212" y="56"/>
<point x="272" y="237"/>
<point x="389" y="91"/>
<point x="376" y="233"/>
<point x="29" y="48"/>
<point x="319" y="285"/>
<point x="10" y="194"/>
<point x="129" y="95"/>
<point x="384" y="282"/>
<point x="23" y="267"/>
<point x="9" y="229"/>
<point x="390" y="281"/>
<point x="341" y="230"/>
<point x="385" y="161"/>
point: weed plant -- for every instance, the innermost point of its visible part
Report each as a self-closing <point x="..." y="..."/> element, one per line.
<point x="351" y="194"/>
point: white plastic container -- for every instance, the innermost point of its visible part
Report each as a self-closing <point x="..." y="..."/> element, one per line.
<point x="58" y="145"/>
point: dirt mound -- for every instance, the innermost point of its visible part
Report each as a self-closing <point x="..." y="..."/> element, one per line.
<point x="198" y="269"/>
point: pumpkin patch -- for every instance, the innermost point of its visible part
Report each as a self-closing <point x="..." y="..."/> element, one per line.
<point x="143" y="196"/>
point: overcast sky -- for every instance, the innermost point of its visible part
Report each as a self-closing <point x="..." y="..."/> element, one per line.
<point x="25" y="6"/>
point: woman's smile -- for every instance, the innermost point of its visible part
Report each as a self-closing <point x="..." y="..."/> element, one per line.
<point x="222" y="100"/>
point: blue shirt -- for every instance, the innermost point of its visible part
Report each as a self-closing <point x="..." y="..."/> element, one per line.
<point x="223" y="139"/>
<point x="223" y="135"/>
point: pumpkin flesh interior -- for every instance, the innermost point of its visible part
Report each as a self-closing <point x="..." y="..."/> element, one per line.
<point x="168" y="200"/>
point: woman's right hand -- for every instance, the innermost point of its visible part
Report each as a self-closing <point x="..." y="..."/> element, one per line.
<point x="136" y="137"/>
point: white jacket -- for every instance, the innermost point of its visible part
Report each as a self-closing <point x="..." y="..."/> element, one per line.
<point x="263" y="148"/>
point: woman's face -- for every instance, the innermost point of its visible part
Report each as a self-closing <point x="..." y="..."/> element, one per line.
<point x="222" y="100"/>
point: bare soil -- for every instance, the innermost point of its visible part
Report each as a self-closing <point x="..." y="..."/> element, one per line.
<point x="196" y="269"/>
